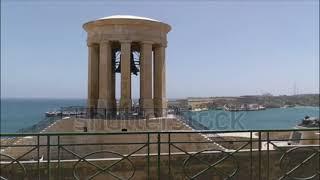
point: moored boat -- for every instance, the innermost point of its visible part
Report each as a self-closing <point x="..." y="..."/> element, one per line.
<point x="53" y="113"/>
<point x="244" y="107"/>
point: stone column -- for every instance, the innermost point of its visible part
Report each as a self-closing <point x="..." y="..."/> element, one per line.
<point x="160" y="102"/>
<point x="93" y="75"/>
<point x="146" y="101"/>
<point x="105" y="77"/>
<point x="125" y="99"/>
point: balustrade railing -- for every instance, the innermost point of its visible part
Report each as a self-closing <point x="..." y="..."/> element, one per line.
<point x="245" y="154"/>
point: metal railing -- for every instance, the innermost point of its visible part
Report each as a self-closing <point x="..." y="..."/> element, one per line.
<point x="256" y="154"/>
<point x="102" y="113"/>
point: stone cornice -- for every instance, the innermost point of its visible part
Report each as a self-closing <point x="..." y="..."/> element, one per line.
<point x="125" y="41"/>
<point x="92" y="44"/>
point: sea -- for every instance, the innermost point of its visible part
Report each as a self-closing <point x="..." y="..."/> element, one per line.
<point x="273" y="118"/>
<point x="18" y="113"/>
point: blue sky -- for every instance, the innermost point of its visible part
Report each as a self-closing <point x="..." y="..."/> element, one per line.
<point x="215" y="48"/>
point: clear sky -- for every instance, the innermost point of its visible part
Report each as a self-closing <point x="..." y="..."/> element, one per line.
<point x="215" y="48"/>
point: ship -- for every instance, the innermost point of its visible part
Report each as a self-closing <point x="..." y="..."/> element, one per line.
<point x="63" y="113"/>
<point x="244" y="107"/>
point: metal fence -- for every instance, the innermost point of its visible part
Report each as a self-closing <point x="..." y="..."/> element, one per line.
<point x="257" y="154"/>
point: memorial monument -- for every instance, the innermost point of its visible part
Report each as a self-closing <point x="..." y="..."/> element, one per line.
<point x="128" y="45"/>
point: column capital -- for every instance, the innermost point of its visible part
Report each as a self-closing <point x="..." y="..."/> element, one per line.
<point x="146" y="42"/>
<point x="92" y="44"/>
<point x="105" y="42"/>
<point x="125" y="41"/>
<point x="163" y="45"/>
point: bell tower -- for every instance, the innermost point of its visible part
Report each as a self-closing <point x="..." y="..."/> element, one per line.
<point x="128" y="45"/>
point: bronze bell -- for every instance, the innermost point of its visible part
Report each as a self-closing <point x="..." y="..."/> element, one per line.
<point x="118" y="69"/>
<point x="133" y="67"/>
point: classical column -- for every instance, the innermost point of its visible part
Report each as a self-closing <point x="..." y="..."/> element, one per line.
<point x="125" y="99"/>
<point x="160" y="102"/>
<point x="93" y="75"/>
<point x="105" y="77"/>
<point x="146" y="101"/>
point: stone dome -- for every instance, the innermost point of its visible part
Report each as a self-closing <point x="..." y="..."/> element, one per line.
<point x="127" y="17"/>
<point x="128" y="20"/>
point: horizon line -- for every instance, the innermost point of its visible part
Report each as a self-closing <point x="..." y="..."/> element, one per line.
<point x="84" y="98"/>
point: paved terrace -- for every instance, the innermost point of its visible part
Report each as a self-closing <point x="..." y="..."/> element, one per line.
<point x="109" y="126"/>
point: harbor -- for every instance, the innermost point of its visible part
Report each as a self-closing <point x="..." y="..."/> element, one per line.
<point x="225" y="92"/>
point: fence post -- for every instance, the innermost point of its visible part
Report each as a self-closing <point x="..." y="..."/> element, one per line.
<point x="59" y="168"/>
<point x="169" y="152"/>
<point x="38" y="155"/>
<point x="48" y="156"/>
<point x="251" y="158"/>
<point x="148" y="154"/>
<point x="159" y="158"/>
<point x="259" y="148"/>
<point x="268" y="154"/>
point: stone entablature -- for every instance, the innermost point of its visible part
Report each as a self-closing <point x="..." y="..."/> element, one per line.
<point x="135" y="30"/>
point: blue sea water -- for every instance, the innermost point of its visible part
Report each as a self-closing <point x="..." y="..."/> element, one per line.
<point x="22" y="113"/>
<point x="274" y="118"/>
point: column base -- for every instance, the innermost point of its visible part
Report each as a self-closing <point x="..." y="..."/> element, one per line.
<point x="146" y="107"/>
<point x="125" y="105"/>
<point x="160" y="112"/>
<point x="107" y="105"/>
<point x="92" y="103"/>
<point x="160" y="107"/>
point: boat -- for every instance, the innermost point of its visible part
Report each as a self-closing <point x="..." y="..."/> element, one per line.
<point x="244" y="107"/>
<point x="199" y="109"/>
<point x="64" y="113"/>
<point x="53" y="113"/>
<point x="288" y="106"/>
